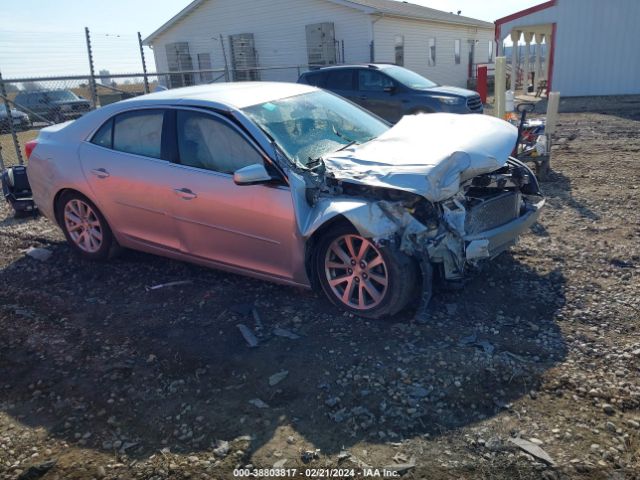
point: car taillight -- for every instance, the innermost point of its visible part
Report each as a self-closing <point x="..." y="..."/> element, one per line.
<point x="29" y="146"/>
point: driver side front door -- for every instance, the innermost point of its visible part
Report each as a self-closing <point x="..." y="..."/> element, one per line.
<point x="251" y="227"/>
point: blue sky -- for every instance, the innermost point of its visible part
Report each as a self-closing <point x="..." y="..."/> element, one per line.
<point x="48" y="35"/>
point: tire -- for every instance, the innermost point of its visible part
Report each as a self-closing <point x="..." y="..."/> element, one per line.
<point x="386" y="272"/>
<point x="84" y="227"/>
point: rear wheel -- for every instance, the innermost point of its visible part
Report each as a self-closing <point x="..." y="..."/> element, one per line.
<point x="84" y="227"/>
<point x="361" y="277"/>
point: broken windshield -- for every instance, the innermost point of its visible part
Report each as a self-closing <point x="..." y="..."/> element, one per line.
<point x="311" y="125"/>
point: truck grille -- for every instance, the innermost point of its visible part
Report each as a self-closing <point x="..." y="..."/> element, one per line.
<point x="492" y="212"/>
<point x="474" y="103"/>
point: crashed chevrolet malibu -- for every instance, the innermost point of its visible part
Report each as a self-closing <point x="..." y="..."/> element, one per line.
<point x="288" y="183"/>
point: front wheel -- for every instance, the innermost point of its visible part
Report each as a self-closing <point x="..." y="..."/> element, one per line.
<point x="363" y="278"/>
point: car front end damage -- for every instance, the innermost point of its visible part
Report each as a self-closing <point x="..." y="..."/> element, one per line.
<point x="467" y="202"/>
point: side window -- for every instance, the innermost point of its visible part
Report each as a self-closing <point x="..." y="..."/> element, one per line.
<point x="341" y="79"/>
<point x="209" y="143"/>
<point x="372" y="81"/>
<point x="139" y="132"/>
<point x="103" y="137"/>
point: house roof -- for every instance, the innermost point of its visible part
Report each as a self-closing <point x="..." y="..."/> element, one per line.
<point x="418" y="12"/>
<point x="375" y="7"/>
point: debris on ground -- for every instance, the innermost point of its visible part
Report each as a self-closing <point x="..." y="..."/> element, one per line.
<point x="533" y="449"/>
<point x="281" y="332"/>
<point x="41" y="254"/>
<point x="276" y="378"/>
<point x="256" y="402"/>
<point x="248" y="335"/>
<point x="168" y="284"/>
<point x="308" y="455"/>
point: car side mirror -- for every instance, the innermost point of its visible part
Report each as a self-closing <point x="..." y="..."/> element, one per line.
<point x="391" y="89"/>
<point x="251" y="175"/>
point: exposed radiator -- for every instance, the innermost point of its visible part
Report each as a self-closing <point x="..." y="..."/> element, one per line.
<point x="492" y="212"/>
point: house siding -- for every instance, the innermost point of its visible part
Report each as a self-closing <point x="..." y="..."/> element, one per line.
<point x="278" y="27"/>
<point x="416" y="35"/>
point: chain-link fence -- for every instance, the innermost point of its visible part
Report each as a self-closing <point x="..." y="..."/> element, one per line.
<point x="36" y="89"/>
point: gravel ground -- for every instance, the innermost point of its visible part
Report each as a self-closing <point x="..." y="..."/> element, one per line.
<point x="101" y="377"/>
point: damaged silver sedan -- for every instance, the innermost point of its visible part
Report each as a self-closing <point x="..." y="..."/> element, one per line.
<point x="288" y="183"/>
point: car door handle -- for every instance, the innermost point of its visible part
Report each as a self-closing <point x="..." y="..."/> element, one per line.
<point x="363" y="98"/>
<point x="100" y="172"/>
<point x="185" y="193"/>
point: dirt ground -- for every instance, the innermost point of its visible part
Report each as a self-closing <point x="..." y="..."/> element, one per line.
<point x="101" y="377"/>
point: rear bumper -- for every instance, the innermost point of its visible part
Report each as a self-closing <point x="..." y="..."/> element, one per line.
<point x="490" y="243"/>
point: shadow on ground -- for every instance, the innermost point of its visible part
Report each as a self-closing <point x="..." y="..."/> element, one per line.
<point x="92" y="356"/>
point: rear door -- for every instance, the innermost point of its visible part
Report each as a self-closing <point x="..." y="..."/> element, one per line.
<point x="340" y="81"/>
<point x="378" y="93"/>
<point x="129" y="179"/>
<point x="250" y="226"/>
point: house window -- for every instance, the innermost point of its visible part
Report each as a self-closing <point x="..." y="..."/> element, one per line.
<point x="179" y="60"/>
<point x="432" y="52"/>
<point x="456" y="51"/>
<point x="399" y="49"/>
<point x="204" y="63"/>
<point x="490" y="51"/>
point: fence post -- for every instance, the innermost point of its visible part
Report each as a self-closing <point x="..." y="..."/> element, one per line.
<point x="144" y="65"/>
<point x="224" y="55"/>
<point x="14" y="136"/>
<point x="92" y="80"/>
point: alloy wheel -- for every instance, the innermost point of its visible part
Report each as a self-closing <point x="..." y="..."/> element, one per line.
<point x="356" y="272"/>
<point x="83" y="225"/>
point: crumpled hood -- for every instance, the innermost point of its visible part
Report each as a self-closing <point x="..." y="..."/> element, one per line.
<point x="427" y="154"/>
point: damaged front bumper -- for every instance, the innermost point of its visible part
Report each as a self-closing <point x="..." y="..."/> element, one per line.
<point x="490" y="243"/>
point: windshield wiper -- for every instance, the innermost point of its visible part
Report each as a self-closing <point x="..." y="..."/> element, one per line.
<point x="333" y="127"/>
<point x="344" y="147"/>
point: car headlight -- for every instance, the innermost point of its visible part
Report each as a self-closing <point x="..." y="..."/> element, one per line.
<point x="450" y="100"/>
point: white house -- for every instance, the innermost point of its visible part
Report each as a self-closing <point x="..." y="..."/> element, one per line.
<point x="589" y="47"/>
<point x="277" y="39"/>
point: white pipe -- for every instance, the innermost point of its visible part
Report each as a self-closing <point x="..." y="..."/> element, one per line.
<point x="499" y="87"/>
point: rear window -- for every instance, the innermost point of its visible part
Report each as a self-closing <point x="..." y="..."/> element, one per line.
<point x="104" y="136"/>
<point x="139" y="132"/>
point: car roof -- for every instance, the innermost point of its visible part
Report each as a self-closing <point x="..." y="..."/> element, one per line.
<point x="373" y="66"/>
<point x="233" y="94"/>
